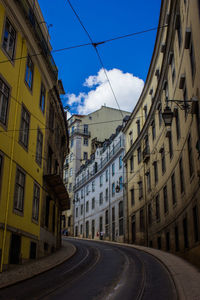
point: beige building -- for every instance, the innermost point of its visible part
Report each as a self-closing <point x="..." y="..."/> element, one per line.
<point x="163" y="167"/>
<point x="86" y="133"/>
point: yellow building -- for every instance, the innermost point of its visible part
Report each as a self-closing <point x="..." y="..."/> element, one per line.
<point x="27" y="77"/>
<point x="162" y="161"/>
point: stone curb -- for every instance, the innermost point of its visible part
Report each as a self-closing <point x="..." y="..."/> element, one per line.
<point x="35" y="268"/>
<point x="185" y="276"/>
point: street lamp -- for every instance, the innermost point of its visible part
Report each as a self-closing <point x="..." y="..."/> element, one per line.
<point x="183" y="105"/>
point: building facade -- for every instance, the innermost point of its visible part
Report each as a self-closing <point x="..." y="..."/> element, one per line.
<point x="162" y="160"/>
<point x="99" y="195"/>
<point x="28" y="75"/>
<point x="86" y="133"/>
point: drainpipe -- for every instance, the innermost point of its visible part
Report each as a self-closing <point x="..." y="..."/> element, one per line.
<point x="11" y="164"/>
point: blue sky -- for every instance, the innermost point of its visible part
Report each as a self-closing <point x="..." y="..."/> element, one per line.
<point x="126" y="60"/>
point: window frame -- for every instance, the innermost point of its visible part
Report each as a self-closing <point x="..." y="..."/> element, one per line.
<point x="29" y="72"/>
<point x="3" y="96"/>
<point x="22" y="122"/>
<point x="39" y="147"/>
<point x="35" y="197"/>
<point x="42" y="97"/>
<point x="17" y="209"/>
<point x="11" y="57"/>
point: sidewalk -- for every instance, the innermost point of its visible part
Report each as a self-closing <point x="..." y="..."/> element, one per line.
<point x="32" y="269"/>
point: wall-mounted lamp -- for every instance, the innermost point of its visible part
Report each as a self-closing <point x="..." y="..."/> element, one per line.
<point x="187" y="105"/>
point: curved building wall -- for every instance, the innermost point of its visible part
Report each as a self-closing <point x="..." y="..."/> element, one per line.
<point x="163" y="180"/>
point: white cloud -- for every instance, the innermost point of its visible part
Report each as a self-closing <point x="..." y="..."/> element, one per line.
<point x="126" y="87"/>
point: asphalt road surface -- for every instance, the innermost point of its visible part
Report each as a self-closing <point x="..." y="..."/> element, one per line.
<point x="99" y="271"/>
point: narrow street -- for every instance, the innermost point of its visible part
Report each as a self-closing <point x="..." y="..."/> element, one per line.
<point x="99" y="271"/>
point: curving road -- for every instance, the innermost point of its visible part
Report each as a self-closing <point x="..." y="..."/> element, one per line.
<point x="99" y="271"/>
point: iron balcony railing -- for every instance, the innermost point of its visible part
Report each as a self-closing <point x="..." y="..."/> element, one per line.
<point x="80" y="131"/>
<point x="43" y="41"/>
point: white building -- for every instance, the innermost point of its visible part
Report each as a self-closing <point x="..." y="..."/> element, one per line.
<point x="99" y="203"/>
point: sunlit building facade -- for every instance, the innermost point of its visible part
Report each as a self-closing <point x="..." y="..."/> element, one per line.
<point x="162" y="160"/>
<point x="28" y="84"/>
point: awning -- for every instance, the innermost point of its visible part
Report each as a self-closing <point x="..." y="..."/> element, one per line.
<point x="55" y="182"/>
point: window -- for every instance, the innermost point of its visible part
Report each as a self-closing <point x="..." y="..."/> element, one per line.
<point x="155" y="166"/>
<point x="149" y="214"/>
<point x="24" y="128"/>
<point x="101" y="198"/>
<point x="42" y="97"/>
<point x="173" y="189"/>
<point x="190" y="155"/>
<point x="195" y="223"/>
<point x="113" y="214"/>
<point x="132" y="197"/>
<point x="4" y="97"/>
<point x="138" y="127"/>
<point x="39" y="147"/>
<point x="70" y="172"/>
<point x="36" y="201"/>
<point x="162" y="151"/>
<point x="113" y="169"/>
<point x="113" y="189"/>
<point x="76" y="212"/>
<point x="145" y="112"/>
<point x="87" y="206"/>
<point x="192" y="58"/>
<point x="93" y="203"/>
<point x="140" y="190"/>
<point x="85" y="155"/>
<point x="29" y="72"/>
<point x="178" y="132"/>
<point x="51" y="117"/>
<point x="9" y="39"/>
<point x="141" y="220"/>
<point x="179" y="29"/>
<point x="72" y="143"/>
<point x="139" y="154"/>
<point x="165" y="198"/>
<point x="170" y="145"/>
<point x="93" y="186"/>
<point x="131" y="164"/>
<point x="106" y="175"/>
<point x="120" y="162"/>
<point x="121" y="214"/>
<point x="106" y="194"/>
<point x="148" y="174"/>
<point x="181" y="175"/>
<point x="153" y="130"/>
<point x="159" y="241"/>
<point x="176" y="233"/>
<point x="81" y="209"/>
<point x="120" y="183"/>
<point x="82" y="194"/>
<point x="185" y="232"/>
<point x="157" y="208"/>
<point x="160" y="115"/>
<point x="173" y="69"/>
<point x="71" y="157"/>
<point x="131" y="137"/>
<point x="87" y="189"/>
<point x="19" y="190"/>
<point x="85" y="128"/>
<point x="85" y="141"/>
<point x="81" y="229"/>
<point x="101" y="180"/>
<point x="70" y="187"/>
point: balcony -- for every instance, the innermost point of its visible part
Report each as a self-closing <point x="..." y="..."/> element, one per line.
<point x="80" y="132"/>
<point x="37" y="32"/>
<point x="146" y="154"/>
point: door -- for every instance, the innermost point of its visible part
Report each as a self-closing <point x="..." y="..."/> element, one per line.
<point x="113" y="231"/>
<point x="93" y="228"/>
<point x="15" y="248"/>
<point x="133" y="229"/>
